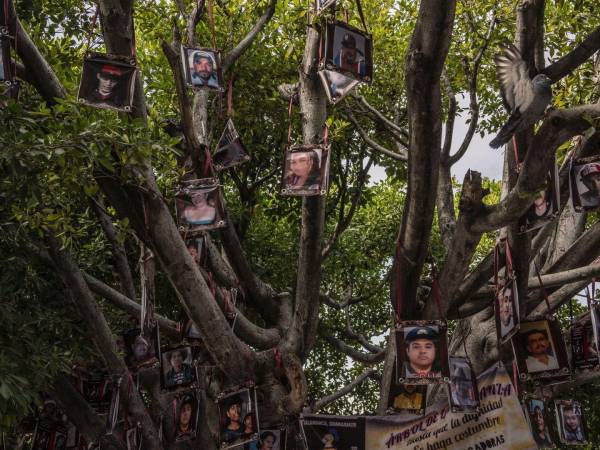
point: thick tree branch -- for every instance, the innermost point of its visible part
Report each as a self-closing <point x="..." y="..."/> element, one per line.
<point x="399" y="133"/>
<point x="371" y="143"/>
<point x="320" y="404"/>
<point x="356" y="355"/>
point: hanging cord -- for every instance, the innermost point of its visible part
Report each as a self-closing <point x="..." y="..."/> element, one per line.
<point x="211" y="21"/>
<point x="362" y="16"/>
<point x="113" y="415"/>
<point x="572" y="331"/>
<point x="515" y="376"/>
<point x="544" y="293"/>
<point x="509" y="261"/>
<point x="516" y="153"/>
<point x="92" y="28"/>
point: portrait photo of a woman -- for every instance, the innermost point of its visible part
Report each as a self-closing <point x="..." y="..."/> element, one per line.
<point x="199" y="207"/>
<point x="304" y="172"/>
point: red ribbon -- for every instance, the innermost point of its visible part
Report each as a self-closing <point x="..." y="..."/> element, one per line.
<point x="278" y="358"/>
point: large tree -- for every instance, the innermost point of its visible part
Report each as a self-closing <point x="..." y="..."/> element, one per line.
<point x="88" y="193"/>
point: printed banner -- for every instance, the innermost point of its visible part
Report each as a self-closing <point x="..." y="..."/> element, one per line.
<point x="499" y="424"/>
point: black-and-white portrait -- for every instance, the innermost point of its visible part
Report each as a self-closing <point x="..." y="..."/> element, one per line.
<point x="306" y="170"/>
<point x="202" y="67"/>
<point x="199" y="206"/>
<point x="570" y="422"/>
<point x="238" y="419"/>
<point x="141" y="351"/>
<point x="422" y="352"/>
<point x="107" y="82"/>
<point x="348" y="51"/>
<point x="185" y="411"/>
<point x="506" y="305"/>
<point x="230" y="150"/>
<point x="546" y="203"/>
<point x="585" y="183"/>
<point x="177" y="367"/>
<point x="463" y="385"/>
<point x="336" y="85"/>
<point x="537" y="417"/>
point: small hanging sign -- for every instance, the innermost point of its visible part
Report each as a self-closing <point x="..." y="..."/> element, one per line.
<point x="537" y="416"/>
<point x="585" y="183"/>
<point x="570" y="422"/>
<point x="107" y="81"/>
<point x="199" y="206"/>
<point x="336" y="85"/>
<point x="306" y="170"/>
<point x="422" y="352"/>
<point x="202" y="68"/>
<point x="347" y="50"/>
<point x="230" y="150"/>
<point x="238" y="417"/>
<point x="464" y="396"/>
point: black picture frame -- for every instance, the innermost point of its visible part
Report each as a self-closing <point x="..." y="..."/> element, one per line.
<point x="506" y="310"/>
<point x="6" y="75"/>
<point x="340" y="432"/>
<point x="434" y="331"/>
<point x="585" y="342"/>
<point x="538" y="418"/>
<point x="545" y="206"/>
<point x="185" y="413"/>
<point x="531" y="338"/>
<point x="230" y="151"/>
<point x="242" y="399"/>
<point x="336" y="85"/>
<point x="463" y="394"/>
<point x="321" y="6"/>
<point x="339" y="36"/>
<point x="120" y="70"/>
<point x="213" y="56"/>
<point x="208" y="214"/>
<point x="170" y="378"/>
<point x="135" y="344"/>
<point x="316" y="181"/>
<point x="564" y="408"/>
<point x="406" y="398"/>
<point x="97" y="389"/>
<point x="584" y="180"/>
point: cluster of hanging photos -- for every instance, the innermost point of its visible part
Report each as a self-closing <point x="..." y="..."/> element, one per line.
<point x="422" y="362"/>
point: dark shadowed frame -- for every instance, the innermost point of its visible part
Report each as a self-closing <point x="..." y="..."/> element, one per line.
<point x="529" y="403"/>
<point x="578" y="189"/>
<point x="584" y="342"/>
<point x="560" y="405"/>
<point x="230" y="150"/>
<point x="319" y="188"/>
<point x="552" y="327"/>
<point x="246" y="396"/>
<point x="151" y="358"/>
<point x="214" y="55"/>
<point x="397" y="389"/>
<point x="328" y="48"/>
<point x="441" y="354"/>
<point x="507" y="336"/>
<point x="464" y="363"/>
<point x="349" y="431"/>
<point x="183" y="199"/>
<point x="92" y="66"/>
<point x="190" y="394"/>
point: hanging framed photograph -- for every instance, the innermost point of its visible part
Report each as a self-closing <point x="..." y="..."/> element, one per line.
<point x="238" y="418"/>
<point x="199" y="206"/>
<point x="185" y="415"/>
<point x="404" y="398"/>
<point x="107" y="81"/>
<point x="270" y="439"/>
<point x="422" y="352"/>
<point x="333" y="432"/>
<point x="584" y="342"/>
<point x="545" y="205"/>
<point x="96" y="389"/>
<point x="537" y="416"/>
<point x="570" y="422"/>
<point x="584" y="179"/>
<point x="540" y="350"/>
<point x="506" y="308"/>
<point x="230" y="150"/>
<point x="177" y="368"/>
<point x="202" y="68"/>
<point x="141" y="351"/>
<point x="336" y="85"/>
<point x="195" y="248"/>
<point x="321" y="5"/>
<point x="347" y="50"/>
<point x="464" y="396"/>
<point x="305" y="170"/>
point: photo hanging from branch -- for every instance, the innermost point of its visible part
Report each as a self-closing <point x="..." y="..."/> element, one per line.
<point x="49" y="437"/>
<point x="546" y="204"/>
<point x="585" y="183"/>
<point x="333" y="432"/>
<point x="195" y="247"/>
<point x="199" y="206"/>
<point x="141" y="351"/>
<point x="271" y="439"/>
<point x="230" y="150"/>
<point x="107" y="81"/>
<point x="403" y="398"/>
<point x="321" y="5"/>
<point x="422" y="352"/>
<point x="584" y="341"/>
<point x="202" y="68"/>
<point x="238" y="418"/>
<point x="540" y="350"/>
<point x="570" y="422"/>
<point x="177" y="368"/>
<point x="506" y="307"/>
<point x="336" y="85"/>
<point x="537" y="416"/>
<point x="305" y="170"/>
<point x="96" y="388"/>
<point x="185" y="407"/>
<point x="347" y="50"/>
<point x="464" y="396"/>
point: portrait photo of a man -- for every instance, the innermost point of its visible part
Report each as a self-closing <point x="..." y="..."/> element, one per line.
<point x="463" y="385"/>
<point x="107" y="83"/>
<point x="186" y="416"/>
<point x="348" y="50"/>
<point x="407" y="397"/>
<point x="422" y="353"/>
<point x="238" y="420"/>
<point x="201" y="68"/>
<point x="571" y="426"/>
<point x="507" y="311"/>
<point x="585" y="185"/>
<point x="540" y="350"/>
<point x="536" y="414"/>
<point x="177" y="368"/>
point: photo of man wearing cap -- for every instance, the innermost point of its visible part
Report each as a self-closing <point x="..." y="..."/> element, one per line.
<point x="107" y="89"/>
<point x="349" y="52"/>
<point x="589" y="176"/>
<point x="422" y="353"/>
<point x="203" y="68"/>
<point x="107" y="83"/>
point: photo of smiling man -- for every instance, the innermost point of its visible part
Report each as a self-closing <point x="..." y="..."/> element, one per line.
<point x="201" y="68"/>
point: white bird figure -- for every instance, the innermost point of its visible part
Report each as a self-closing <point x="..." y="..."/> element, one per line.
<point x="526" y="99"/>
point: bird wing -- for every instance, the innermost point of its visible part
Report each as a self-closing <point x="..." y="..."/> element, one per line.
<point x="515" y="84"/>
